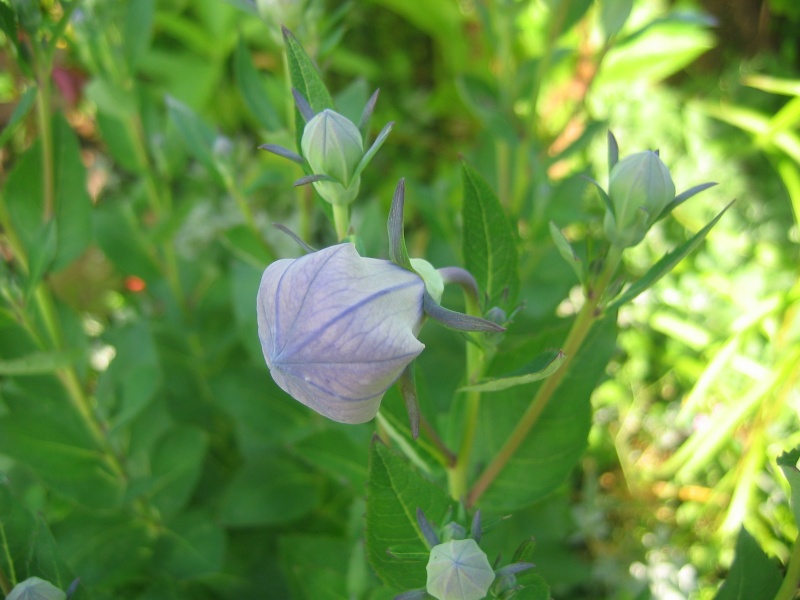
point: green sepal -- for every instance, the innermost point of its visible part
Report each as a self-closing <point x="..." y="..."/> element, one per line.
<point x="540" y="368"/>
<point x="667" y="262"/>
<point x="683" y="197"/>
<point x="456" y="320"/>
<point x="567" y="253"/>
<point x="284" y="153"/>
<point x="398" y="253"/>
<point x="369" y="154"/>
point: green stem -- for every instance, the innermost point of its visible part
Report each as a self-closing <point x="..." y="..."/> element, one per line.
<point x="577" y="334"/>
<point x="71" y="382"/>
<point x="457" y="475"/>
<point x="46" y="134"/>
<point x="341" y="220"/>
<point x="791" y="581"/>
<point x="5" y="585"/>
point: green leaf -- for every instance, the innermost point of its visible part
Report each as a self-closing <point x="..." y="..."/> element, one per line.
<point x="662" y="49"/>
<point x="37" y="364"/>
<point x="535" y="589"/>
<point x="565" y="250"/>
<point x="197" y="136"/>
<point x="20" y="112"/>
<point x="752" y="574"/>
<point x="251" y="86"/>
<point x="177" y="462"/>
<point x="42" y="430"/>
<point x="488" y="246"/>
<point x="260" y="425"/>
<point x="23" y="535"/>
<point x="667" y="262"/>
<point x="111" y="99"/>
<point x="138" y="30"/>
<point x="788" y="464"/>
<point x="335" y="455"/>
<point x="305" y="79"/>
<point x="541" y="367"/>
<point x="71" y="203"/>
<point x="106" y="548"/>
<point x="556" y="442"/>
<point x="269" y="490"/>
<point x="247" y="6"/>
<point x="190" y="546"/>
<point x="41" y="257"/>
<point x="316" y="565"/>
<point x="395" y="490"/>
<point x="304" y="75"/>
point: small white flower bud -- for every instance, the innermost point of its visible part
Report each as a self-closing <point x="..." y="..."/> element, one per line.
<point x="459" y="570"/>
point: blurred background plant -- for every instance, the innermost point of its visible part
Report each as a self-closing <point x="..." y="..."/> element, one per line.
<point x="137" y="448"/>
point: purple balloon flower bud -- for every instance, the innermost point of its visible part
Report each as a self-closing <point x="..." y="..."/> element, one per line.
<point x="338" y="329"/>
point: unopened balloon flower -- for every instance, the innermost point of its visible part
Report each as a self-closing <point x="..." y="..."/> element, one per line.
<point x="333" y="150"/>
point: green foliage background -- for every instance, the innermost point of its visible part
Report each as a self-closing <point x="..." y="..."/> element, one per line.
<point x="143" y="445"/>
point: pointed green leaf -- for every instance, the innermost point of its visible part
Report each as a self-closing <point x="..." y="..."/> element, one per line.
<point x="305" y="79"/>
<point x="369" y="154"/>
<point x="541" y="367"/>
<point x="565" y="250"/>
<point x="20" y="111"/>
<point x="668" y="262"/>
<point x="366" y="114"/>
<point x="41" y="257"/>
<point x="192" y="545"/>
<point x="37" y="364"/>
<point x="488" y="243"/>
<point x="197" y="136"/>
<point x="26" y="540"/>
<point x="603" y="195"/>
<point x="613" y="152"/>
<point x="251" y="87"/>
<point x="72" y="207"/>
<point x="683" y="197"/>
<point x="752" y="574"/>
<point x="395" y="490"/>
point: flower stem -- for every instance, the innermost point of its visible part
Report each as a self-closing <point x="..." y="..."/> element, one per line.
<point x="341" y="220"/>
<point x="577" y="335"/>
<point x="457" y="475"/>
<point x="791" y="580"/>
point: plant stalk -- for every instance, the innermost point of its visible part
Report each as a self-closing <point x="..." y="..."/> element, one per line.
<point x="581" y="327"/>
<point x="341" y="220"/>
<point x="457" y="475"/>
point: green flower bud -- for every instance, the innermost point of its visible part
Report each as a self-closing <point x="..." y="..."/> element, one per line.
<point x="332" y="145"/>
<point x="640" y="187"/>
<point x="459" y="570"/>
